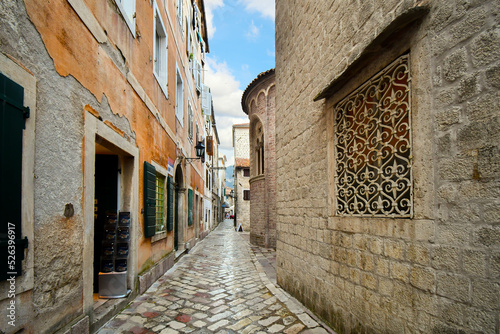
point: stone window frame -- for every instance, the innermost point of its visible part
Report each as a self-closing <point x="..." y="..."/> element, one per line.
<point x="391" y="43"/>
<point x="20" y="75"/>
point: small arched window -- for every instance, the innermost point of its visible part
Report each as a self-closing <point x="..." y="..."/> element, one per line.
<point x="259" y="150"/>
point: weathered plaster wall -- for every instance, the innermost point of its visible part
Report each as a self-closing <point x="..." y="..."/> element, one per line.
<point x="57" y="294"/>
<point x="434" y="273"/>
<point x="110" y="82"/>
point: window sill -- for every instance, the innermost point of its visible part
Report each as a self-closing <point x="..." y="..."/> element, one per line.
<point x="257" y="178"/>
<point x="159" y="236"/>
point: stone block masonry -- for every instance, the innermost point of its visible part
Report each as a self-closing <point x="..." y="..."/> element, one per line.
<point x="258" y="102"/>
<point x="437" y="271"/>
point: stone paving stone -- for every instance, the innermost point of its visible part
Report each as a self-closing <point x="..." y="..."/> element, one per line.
<point x="275" y="328"/>
<point x="217" y="325"/>
<point x="307" y="320"/>
<point x="221" y="286"/>
<point x="294" y="329"/>
<point x="169" y="331"/>
<point x="240" y="324"/>
<point x="176" y="324"/>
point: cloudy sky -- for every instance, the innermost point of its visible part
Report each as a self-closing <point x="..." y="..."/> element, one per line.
<point x="241" y="41"/>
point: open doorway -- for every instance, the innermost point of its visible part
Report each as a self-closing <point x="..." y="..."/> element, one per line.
<point x="105" y="206"/>
<point x="113" y="188"/>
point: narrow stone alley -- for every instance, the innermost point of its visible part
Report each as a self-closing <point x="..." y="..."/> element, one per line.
<point x="222" y="286"/>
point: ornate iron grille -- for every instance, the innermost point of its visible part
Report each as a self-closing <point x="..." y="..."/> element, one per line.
<point x="373" y="146"/>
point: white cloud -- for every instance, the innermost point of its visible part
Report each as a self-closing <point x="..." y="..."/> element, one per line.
<point x="225" y="89"/>
<point x="226" y="96"/>
<point x="210" y="5"/>
<point x="265" y="7"/>
<point x="253" y="32"/>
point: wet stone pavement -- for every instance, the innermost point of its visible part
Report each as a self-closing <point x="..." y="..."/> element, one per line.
<point x="222" y="286"/>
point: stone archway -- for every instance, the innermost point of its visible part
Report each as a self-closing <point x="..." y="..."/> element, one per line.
<point x="180" y="217"/>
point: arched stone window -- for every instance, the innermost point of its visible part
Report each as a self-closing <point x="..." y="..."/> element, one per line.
<point x="259" y="148"/>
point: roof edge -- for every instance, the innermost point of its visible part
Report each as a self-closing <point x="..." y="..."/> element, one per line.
<point x="262" y="76"/>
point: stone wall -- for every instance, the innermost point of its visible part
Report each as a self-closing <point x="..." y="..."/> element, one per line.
<point x="258" y="102"/>
<point x="241" y="144"/>
<point x="437" y="272"/>
<point x="242" y="207"/>
<point x="241" y="140"/>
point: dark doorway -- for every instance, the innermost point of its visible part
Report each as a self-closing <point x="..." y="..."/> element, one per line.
<point x="179" y="204"/>
<point x="105" y="202"/>
<point x="176" y="220"/>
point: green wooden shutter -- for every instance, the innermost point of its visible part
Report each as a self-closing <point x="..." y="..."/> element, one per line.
<point x="170" y="203"/>
<point x="12" y="118"/>
<point x="190" y="207"/>
<point x="149" y="200"/>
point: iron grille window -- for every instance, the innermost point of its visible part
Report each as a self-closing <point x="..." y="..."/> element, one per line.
<point x="246" y="172"/>
<point x="373" y="174"/>
<point x="160" y="203"/>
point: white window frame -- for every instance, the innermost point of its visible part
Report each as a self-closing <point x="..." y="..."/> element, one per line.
<point x="180" y="15"/>
<point x="197" y="74"/>
<point x="161" y="74"/>
<point x="127" y="9"/>
<point x="206" y="100"/>
<point x="179" y="97"/>
<point x="190" y="122"/>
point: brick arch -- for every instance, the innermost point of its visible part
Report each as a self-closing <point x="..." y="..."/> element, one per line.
<point x="257" y="135"/>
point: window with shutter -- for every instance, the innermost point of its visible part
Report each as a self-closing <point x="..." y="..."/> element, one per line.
<point x="12" y="124"/>
<point x="246" y="195"/>
<point x="198" y="75"/>
<point x="190" y="121"/>
<point x="149" y="200"/>
<point x="206" y="100"/>
<point x="190" y="207"/>
<point x="160" y="54"/>
<point x="160" y="203"/>
<point x="179" y="99"/>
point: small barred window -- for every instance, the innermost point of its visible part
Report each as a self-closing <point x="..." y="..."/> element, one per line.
<point x="373" y="174"/>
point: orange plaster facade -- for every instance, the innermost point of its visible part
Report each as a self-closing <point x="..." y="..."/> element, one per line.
<point x="131" y="117"/>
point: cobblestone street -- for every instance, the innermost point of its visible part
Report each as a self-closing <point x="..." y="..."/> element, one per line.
<point x="222" y="286"/>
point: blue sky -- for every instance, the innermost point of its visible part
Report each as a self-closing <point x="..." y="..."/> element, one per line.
<point x="241" y="40"/>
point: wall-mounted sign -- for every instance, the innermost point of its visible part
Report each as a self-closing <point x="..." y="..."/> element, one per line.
<point x="170" y="167"/>
<point x="210" y="146"/>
